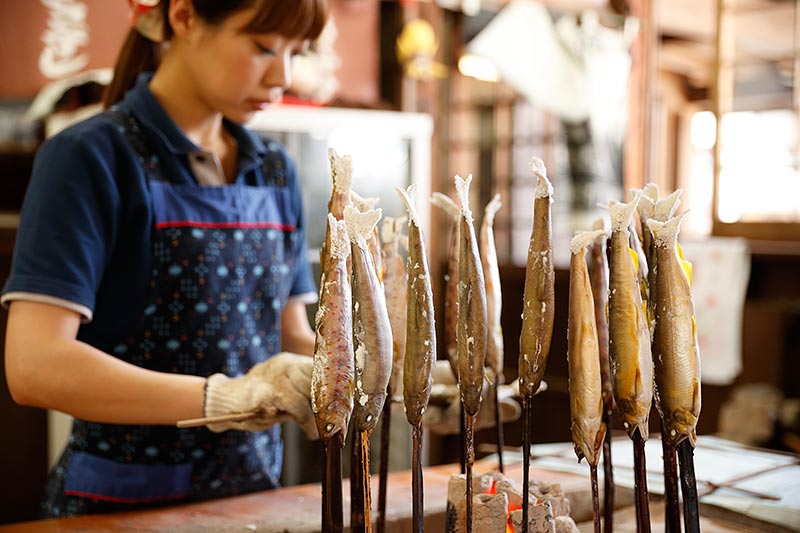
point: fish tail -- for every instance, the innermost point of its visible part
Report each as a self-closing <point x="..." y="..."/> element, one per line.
<point x="651" y="191"/>
<point x="341" y="171"/>
<point x="447" y="204"/>
<point x="666" y="233"/>
<point x="391" y="229"/>
<point x="621" y="213"/>
<point x="462" y="190"/>
<point x="666" y="207"/>
<point x="584" y="239"/>
<point x="360" y="224"/>
<point x="363" y="204"/>
<point x="340" y="243"/>
<point x="544" y="188"/>
<point x="408" y="195"/>
<point x="491" y="209"/>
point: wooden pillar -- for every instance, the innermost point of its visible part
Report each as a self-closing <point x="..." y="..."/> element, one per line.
<point x="638" y="160"/>
<point x="723" y="90"/>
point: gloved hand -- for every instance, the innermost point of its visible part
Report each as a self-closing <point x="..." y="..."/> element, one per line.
<point x="443" y="414"/>
<point x="279" y="389"/>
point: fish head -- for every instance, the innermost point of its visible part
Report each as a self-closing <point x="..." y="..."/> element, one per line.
<point x="366" y="416"/>
<point x="335" y="417"/>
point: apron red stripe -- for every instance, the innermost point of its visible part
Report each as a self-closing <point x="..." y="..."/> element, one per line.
<point x="106" y="498"/>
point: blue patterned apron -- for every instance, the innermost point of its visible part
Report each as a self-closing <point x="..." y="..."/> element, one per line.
<point x="221" y="275"/>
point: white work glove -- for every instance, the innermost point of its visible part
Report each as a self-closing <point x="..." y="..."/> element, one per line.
<point x="279" y="389"/>
<point x="443" y="414"/>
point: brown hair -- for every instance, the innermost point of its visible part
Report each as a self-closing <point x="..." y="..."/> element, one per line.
<point x="293" y="18"/>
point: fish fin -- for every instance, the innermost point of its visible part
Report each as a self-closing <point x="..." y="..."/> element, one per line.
<point x="447" y="204"/>
<point x="544" y="188"/>
<point x="583" y="239"/>
<point x="341" y="171"/>
<point x="666" y="233"/>
<point x="651" y="191"/>
<point x="462" y="190"/>
<point x="665" y="208"/>
<point x="621" y="213"/>
<point x="645" y="208"/>
<point x="408" y="196"/>
<point x="391" y="229"/>
<point x="363" y="204"/>
<point x="491" y="210"/>
<point x="360" y="224"/>
<point x="340" y="243"/>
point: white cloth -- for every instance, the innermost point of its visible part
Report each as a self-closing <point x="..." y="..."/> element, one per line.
<point x="720" y="272"/>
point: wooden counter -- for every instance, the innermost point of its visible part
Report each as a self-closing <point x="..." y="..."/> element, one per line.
<point x="297" y="509"/>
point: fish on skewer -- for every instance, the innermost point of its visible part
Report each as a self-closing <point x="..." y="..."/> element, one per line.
<point x="450" y="318"/>
<point x="371" y="326"/>
<point x="537" y="314"/>
<point x="598" y="274"/>
<point x="373" y="355"/>
<point x="583" y="355"/>
<point x="332" y="377"/>
<point x="471" y="328"/>
<point x="677" y="356"/>
<point x="453" y="211"/>
<point x="650" y="207"/>
<point x="539" y="295"/>
<point x="342" y="179"/>
<point x="494" y="295"/>
<point x="420" y="355"/>
<point x="629" y="348"/>
<point x="494" y="307"/>
<point x="395" y="286"/>
<point x="395" y="281"/>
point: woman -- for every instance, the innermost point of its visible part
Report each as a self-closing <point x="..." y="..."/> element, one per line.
<point x="161" y="263"/>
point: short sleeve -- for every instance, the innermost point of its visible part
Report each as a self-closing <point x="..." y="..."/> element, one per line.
<point x="303" y="286"/>
<point x="68" y="219"/>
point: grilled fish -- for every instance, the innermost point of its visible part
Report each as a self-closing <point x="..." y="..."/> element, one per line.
<point x="451" y="279"/>
<point x="342" y="177"/>
<point x="598" y="273"/>
<point x="628" y="328"/>
<point x="371" y="327"/>
<point x="585" y="382"/>
<point x="539" y="295"/>
<point x="395" y="283"/>
<point x="675" y="347"/>
<point x="471" y="327"/>
<point x="420" y="356"/>
<point x="333" y="371"/>
<point x="494" y="295"/>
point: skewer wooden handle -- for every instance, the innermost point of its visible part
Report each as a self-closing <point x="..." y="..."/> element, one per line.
<point x="235" y="417"/>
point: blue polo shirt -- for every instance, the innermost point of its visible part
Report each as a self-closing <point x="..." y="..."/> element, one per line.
<point x="87" y="222"/>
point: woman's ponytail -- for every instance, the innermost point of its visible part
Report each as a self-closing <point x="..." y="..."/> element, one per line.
<point x="138" y="54"/>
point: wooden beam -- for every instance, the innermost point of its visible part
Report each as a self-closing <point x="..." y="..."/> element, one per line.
<point x="723" y="91"/>
<point x="638" y="160"/>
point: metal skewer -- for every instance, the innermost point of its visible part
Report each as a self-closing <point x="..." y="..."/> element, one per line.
<point x="357" y="507"/>
<point x="526" y="459"/>
<point x="470" y="461"/>
<point x="608" y="477"/>
<point x="640" y="484"/>
<point x="498" y="420"/>
<point x="595" y="499"/>
<point x="672" y="513"/>
<point x="691" y="511"/>
<point x="383" y="475"/>
<point x="332" y="516"/>
<point x="417" y="511"/>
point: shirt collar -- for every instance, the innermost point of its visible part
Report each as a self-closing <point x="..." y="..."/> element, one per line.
<point x="144" y="105"/>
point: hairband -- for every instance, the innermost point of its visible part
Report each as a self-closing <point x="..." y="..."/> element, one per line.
<point x="148" y="18"/>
